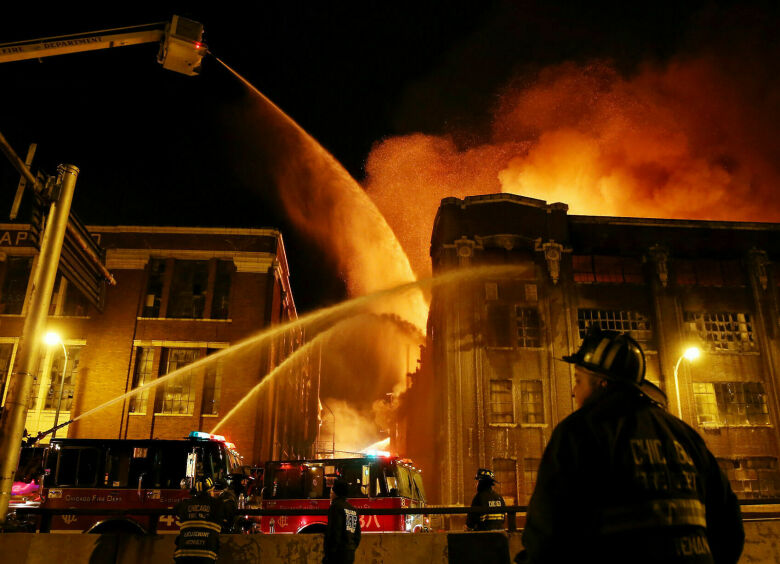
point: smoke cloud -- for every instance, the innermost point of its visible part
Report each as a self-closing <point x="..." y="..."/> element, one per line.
<point x="679" y="140"/>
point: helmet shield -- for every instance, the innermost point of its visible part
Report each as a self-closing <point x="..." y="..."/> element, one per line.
<point x="616" y="356"/>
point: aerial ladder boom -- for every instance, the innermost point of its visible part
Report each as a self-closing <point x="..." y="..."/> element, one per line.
<point x="181" y="46"/>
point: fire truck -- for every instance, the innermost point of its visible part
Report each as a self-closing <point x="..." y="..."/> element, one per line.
<point x="128" y="474"/>
<point x="376" y="480"/>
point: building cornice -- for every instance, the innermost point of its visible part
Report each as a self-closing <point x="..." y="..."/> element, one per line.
<point x="136" y="259"/>
<point x="253" y="232"/>
<point x="679" y="223"/>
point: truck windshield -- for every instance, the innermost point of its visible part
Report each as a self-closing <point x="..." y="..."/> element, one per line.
<point x="295" y="481"/>
<point x="129" y="464"/>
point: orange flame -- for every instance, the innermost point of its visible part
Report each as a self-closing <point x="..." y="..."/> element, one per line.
<point x="676" y="142"/>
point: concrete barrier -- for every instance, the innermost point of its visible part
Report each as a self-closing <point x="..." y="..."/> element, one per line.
<point x="762" y="546"/>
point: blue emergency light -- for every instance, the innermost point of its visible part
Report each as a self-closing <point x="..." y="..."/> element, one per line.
<point x="206" y="436"/>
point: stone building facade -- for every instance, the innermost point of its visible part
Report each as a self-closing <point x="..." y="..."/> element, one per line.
<point x="491" y="382"/>
<point x="181" y="294"/>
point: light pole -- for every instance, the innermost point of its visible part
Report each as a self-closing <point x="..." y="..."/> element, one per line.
<point x="690" y="354"/>
<point x="52" y="339"/>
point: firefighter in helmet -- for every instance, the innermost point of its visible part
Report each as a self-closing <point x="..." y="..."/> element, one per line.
<point x="623" y="480"/>
<point x="492" y="518"/>
<point x="342" y="536"/>
<point x="201" y="518"/>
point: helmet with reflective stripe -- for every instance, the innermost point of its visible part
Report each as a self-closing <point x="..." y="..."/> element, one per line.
<point x="204" y="485"/>
<point x="615" y="356"/>
<point x="485" y="474"/>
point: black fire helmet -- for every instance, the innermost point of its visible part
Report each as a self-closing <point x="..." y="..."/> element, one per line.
<point x="615" y="356"/>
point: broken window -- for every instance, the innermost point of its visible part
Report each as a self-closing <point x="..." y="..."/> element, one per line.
<point x="632" y="322"/>
<point x="723" y="331"/>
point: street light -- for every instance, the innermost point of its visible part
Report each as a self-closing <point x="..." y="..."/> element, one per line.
<point x="690" y="354"/>
<point x="51" y="338"/>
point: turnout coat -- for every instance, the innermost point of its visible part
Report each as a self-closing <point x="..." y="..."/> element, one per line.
<point x="622" y="480"/>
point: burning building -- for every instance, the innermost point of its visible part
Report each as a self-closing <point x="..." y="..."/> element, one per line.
<point x="182" y="294"/>
<point x="491" y="382"/>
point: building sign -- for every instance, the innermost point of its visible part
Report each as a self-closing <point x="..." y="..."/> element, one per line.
<point x="15" y="238"/>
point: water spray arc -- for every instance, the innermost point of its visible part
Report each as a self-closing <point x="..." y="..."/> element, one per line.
<point x="322" y="320"/>
<point x="289" y="362"/>
<point x="267" y="379"/>
<point x="326" y="204"/>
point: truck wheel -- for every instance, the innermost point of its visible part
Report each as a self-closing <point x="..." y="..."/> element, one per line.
<point x="116" y="526"/>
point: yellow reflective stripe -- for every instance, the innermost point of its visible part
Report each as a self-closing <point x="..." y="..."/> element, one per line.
<point x="656" y="513"/>
<point x="201" y="525"/>
<point x="197" y="553"/>
<point x="493" y="517"/>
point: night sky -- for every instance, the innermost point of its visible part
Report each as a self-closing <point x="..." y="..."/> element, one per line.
<point x="158" y="148"/>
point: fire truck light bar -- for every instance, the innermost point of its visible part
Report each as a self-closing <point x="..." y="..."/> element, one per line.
<point x="206" y="436"/>
<point x="383" y="453"/>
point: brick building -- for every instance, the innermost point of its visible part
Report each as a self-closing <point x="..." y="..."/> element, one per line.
<point x="181" y="294"/>
<point x="490" y="369"/>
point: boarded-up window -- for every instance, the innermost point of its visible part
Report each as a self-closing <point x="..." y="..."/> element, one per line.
<point x="501" y="403"/>
<point x="498" y="330"/>
<point x="530" y="471"/>
<point x="505" y="470"/>
<point x="752" y="477"/>
<point x="531" y="402"/>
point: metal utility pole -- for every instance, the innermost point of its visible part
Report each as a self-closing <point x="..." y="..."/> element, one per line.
<point x="15" y="410"/>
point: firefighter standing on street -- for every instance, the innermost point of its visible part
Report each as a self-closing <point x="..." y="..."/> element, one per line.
<point x="622" y="480"/>
<point x="201" y="519"/>
<point x="229" y="501"/>
<point x="342" y="536"/>
<point x="492" y="519"/>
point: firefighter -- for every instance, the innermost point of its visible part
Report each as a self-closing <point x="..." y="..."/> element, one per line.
<point x="491" y="519"/>
<point x="229" y="499"/>
<point x="622" y="480"/>
<point x="201" y="519"/>
<point x="342" y="536"/>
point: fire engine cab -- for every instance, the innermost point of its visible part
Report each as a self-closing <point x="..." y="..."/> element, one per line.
<point x="376" y="480"/>
<point x="129" y="474"/>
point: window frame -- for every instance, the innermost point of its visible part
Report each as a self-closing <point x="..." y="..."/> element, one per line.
<point x="219" y="282"/>
<point x="523" y="412"/>
<point x="622" y="320"/>
<point x="492" y="403"/>
<point x="716" y="331"/>
<point x="724" y="415"/>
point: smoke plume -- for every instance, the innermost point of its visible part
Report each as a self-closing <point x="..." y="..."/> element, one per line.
<point x="679" y="140"/>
